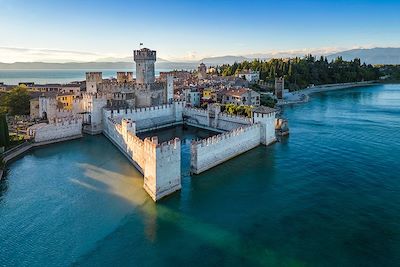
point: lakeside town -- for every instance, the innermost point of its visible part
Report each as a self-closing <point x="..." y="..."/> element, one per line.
<point x="39" y="112"/>
<point x="237" y="90"/>
<point x="185" y="133"/>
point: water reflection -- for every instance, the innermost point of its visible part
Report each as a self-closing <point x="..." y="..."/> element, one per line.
<point x="325" y="196"/>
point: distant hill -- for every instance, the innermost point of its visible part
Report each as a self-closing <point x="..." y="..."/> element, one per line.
<point x="371" y="56"/>
<point x="124" y="59"/>
<point x="92" y="65"/>
<point x="223" y="60"/>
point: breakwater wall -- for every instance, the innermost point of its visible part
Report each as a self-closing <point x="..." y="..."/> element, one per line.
<point x="336" y="86"/>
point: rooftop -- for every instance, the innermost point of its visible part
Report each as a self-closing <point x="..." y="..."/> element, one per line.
<point x="236" y="92"/>
<point x="264" y="110"/>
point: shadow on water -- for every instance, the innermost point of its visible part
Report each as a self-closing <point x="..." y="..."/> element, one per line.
<point x="173" y="217"/>
<point x="98" y="204"/>
<point x="325" y="196"/>
<point x="3" y="185"/>
<point x="165" y="224"/>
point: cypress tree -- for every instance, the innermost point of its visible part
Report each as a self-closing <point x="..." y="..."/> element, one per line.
<point x="4" y="135"/>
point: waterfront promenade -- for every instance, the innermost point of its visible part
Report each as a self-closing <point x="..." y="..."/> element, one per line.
<point x="335" y="86"/>
<point x="303" y="95"/>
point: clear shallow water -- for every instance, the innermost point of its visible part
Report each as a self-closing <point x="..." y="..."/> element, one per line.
<point x="326" y="196"/>
<point x="12" y="77"/>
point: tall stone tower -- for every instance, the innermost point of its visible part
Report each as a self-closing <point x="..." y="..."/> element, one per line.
<point x="279" y="87"/>
<point x="93" y="80"/>
<point x="124" y="77"/>
<point x="266" y="117"/>
<point x="145" y="59"/>
<point x="170" y="88"/>
<point x="202" y="71"/>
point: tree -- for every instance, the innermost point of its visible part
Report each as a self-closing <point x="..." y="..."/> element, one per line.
<point x="268" y="101"/>
<point x="16" y="101"/>
<point x="301" y="72"/>
<point x="4" y="135"/>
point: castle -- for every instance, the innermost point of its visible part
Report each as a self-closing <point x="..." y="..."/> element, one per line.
<point x="120" y="109"/>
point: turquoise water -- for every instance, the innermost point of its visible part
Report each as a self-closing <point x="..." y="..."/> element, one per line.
<point x="326" y="196"/>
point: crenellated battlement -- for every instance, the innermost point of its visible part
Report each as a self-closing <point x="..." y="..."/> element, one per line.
<point x="264" y="115"/>
<point x="66" y="121"/>
<point x="94" y="76"/>
<point x="210" y="152"/>
<point x="124" y="77"/>
<point x="171" y="146"/>
<point x="226" y="135"/>
<point x="144" y="54"/>
<point x="189" y="110"/>
<point x="116" y="111"/>
<point x="238" y="118"/>
<point x="90" y="96"/>
<point x="56" y="129"/>
<point x="183" y="102"/>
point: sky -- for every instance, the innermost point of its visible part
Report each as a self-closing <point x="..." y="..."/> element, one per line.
<point x="88" y="30"/>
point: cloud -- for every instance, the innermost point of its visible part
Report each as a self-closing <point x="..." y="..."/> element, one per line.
<point x="18" y="54"/>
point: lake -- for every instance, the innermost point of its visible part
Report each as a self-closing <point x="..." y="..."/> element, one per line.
<point x="13" y="77"/>
<point x="328" y="195"/>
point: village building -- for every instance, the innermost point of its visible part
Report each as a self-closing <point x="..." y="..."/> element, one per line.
<point x="249" y="75"/>
<point x="239" y="96"/>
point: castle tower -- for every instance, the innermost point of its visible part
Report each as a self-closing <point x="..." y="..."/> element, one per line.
<point x="279" y="87"/>
<point x="92" y="105"/>
<point x="266" y="117"/>
<point x="128" y="125"/>
<point x="202" y="71"/>
<point x="124" y="77"/>
<point x="145" y="59"/>
<point x="170" y="88"/>
<point x="162" y="168"/>
<point x="93" y="80"/>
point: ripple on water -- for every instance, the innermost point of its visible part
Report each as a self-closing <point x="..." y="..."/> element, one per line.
<point x="325" y="196"/>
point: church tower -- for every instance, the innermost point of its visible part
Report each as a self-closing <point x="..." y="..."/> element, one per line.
<point x="145" y="59"/>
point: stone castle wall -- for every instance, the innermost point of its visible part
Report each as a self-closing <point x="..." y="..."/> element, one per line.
<point x="210" y="152"/>
<point x="220" y="121"/>
<point x="196" y="116"/>
<point x="160" y="164"/>
<point x="150" y="118"/>
<point x="57" y="128"/>
<point x="229" y="122"/>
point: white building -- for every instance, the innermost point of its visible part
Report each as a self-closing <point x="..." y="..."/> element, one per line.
<point x="249" y="75"/>
<point x="192" y="97"/>
<point x="239" y="96"/>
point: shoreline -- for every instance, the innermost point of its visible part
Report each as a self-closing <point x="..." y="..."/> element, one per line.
<point x="335" y="86"/>
<point x="21" y="149"/>
<point x="303" y="95"/>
